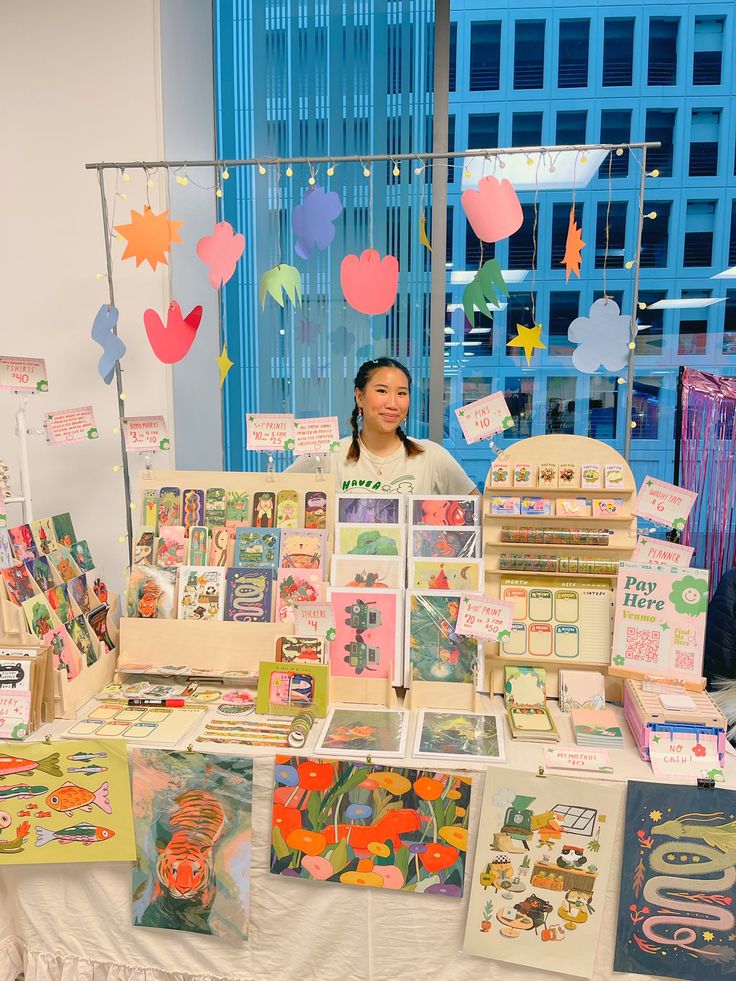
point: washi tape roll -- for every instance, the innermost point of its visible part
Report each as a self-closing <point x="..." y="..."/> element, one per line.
<point x="299" y="729"/>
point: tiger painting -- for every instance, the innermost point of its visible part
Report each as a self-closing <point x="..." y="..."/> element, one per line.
<point x="184" y="886"/>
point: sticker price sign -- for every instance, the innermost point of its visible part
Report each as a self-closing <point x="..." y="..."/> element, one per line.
<point x="485" y="619"/>
<point x="143" y="433"/>
<point x="71" y="426"/>
<point x="484" y="418"/>
<point x="664" y="504"/>
<point x="314" y="620"/>
<point x="318" y="436"/>
<point x="23" y="374"/>
<point x="270" y="431"/>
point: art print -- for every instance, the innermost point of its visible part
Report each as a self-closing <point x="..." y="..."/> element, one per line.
<point x="169" y="507"/>
<point x="249" y="595"/>
<point x="82" y="556"/>
<point x="369" y="540"/>
<point x="65" y="802"/>
<point x="678" y="895"/>
<point x="445" y="543"/>
<point x="315" y="509"/>
<point x="368" y="825"/>
<point x="97" y="619"/>
<point x="296" y="586"/>
<point x="359" y="731"/>
<point x="437" y="510"/>
<point x="39" y="617"/>
<point x="236" y="507"/>
<point x="460" y="575"/>
<point x="310" y="649"/>
<point x="214" y="507"/>
<point x="58" y="597"/>
<point x="435" y="651"/>
<point x="42" y="571"/>
<point x="66" y="568"/>
<point x="44" y="536"/>
<point x="172" y="547"/>
<point x="287" y="509"/>
<point x="18" y="584"/>
<point x="364" y="509"/>
<point x="151" y="592"/>
<point x="79" y="633"/>
<point x="264" y="509"/>
<point x="257" y="547"/>
<point x="303" y="549"/>
<point x="368" y="571"/>
<point x="22" y="543"/>
<point x="64" y="529"/>
<point x="192" y="507"/>
<point x="285" y="689"/>
<point x="67" y="659"/>
<point x="463" y="736"/>
<point x="192" y="816"/>
<point x="143" y="549"/>
<point x="201" y="592"/>
<point x="544" y="852"/>
<point x="367" y="637"/>
<point x="198" y="545"/>
<point x="79" y="592"/>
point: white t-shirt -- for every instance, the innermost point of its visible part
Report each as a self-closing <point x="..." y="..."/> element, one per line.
<point x="433" y="472"/>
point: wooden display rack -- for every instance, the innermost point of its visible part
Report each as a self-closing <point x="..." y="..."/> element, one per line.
<point x="576" y="450"/>
<point x="443" y="695"/>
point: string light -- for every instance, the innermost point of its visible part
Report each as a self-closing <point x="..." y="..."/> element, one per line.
<point x="583" y="159"/>
<point x="529" y="162"/>
<point x="126" y="176"/>
<point x="312" y="178"/>
<point x="100" y="276"/>
<point x="652" y="215"/>
<point x="396" y="172"/>
<point x="226" y="174"/>
<point x="122" y="196"/>
<point x="621" y="381"/>
<point x="218" y="192"/>
<point x="289" y="171"/>
<point x="331" y="169"/>
<point x="633" y="424"/>
<point x="366" y="171"/>
<point x="642" y="305"/>
<point x="121" y="538"/>
<point x="629" y="264"/>
<point x="501" y="164"/>
<point x="261" y="169"/>
<point x="631" y="345"/>
<point x="115" y="468"/>
<point x="132" y="505"/>
<point x="149" y="182"/>
<point x="181" y="179"/>
<point x="620" y="152"/>
<point x="123" y="396"/>
<point x="653" y="173"/>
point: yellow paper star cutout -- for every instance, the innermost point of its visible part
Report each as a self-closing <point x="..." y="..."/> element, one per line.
<point x="224" y="364"/>
<point x="527" y="338"/>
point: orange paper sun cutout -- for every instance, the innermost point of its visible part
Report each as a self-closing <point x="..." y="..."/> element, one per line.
<point x="149" y="236"/>
<point x="574" y="246"/>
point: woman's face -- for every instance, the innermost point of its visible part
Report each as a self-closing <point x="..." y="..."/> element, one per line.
<point x="384" y="400"/>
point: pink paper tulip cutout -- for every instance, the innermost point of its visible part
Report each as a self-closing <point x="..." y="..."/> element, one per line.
<point x="221" y="251"/>
<point x="172" y="342"/>
<point x="494" y="210"/>
<point x="370" y="283"/>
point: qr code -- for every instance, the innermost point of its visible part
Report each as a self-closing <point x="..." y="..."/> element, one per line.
<point x="684" y="661"/>
<point x="642" y="644"/>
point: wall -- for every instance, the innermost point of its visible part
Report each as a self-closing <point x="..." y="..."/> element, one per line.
<point x="84" y="78"/>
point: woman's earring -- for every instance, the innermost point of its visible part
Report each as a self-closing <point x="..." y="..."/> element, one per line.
<point x="360" y="412"/>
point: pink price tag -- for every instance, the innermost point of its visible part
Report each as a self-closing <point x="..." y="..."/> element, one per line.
<point x="654" y="551"/>
<point x="145" y="433"/>
<point x="317" y="436"/>
<point x="577" y="758"/>
<point x="484" y="418"/>
<point x="70" y="426"/>
<point x="313" y="620"/>
<point x="664" y="504"/>
<point x="486" y="619"/>
<point x="23" y="374"/>
<point x="270" y="431"/>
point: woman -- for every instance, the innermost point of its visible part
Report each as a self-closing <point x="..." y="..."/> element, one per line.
<point x="379" y="456"/>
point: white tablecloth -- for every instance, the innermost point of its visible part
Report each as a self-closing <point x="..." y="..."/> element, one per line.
<point x="72" y="923"/>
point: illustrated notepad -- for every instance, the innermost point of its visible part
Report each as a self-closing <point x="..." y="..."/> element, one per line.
<point x="542" y="862"/>
<point x="526" y="704"/>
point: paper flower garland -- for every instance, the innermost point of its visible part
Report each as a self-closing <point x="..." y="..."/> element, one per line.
<point x="221" y="251"/>
<point x="149" y="236"/>
<point x="528" y="338"/>
<point x="494" y="210"/>
<point x="574" y="246"/>
<point x="483" y="289"/>
<point x="370" y="283"/>
<point x="112" y="347"/>
<point x="171" y="343"/>
<point x="602" y="338"/>
<point x="278" y="278"/>
<point x="311" y="221"/>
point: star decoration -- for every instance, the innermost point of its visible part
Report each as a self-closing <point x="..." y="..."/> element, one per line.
<point x="708" y="935"/>
<point x="683" y="858"/>
<point x="650" y="483"/>
<point x="655" y="739"/>
<point x="664" y="626"/>
<point x="655" y="815"/>
<point x="670" y="858"/>
<point x="574" y="246"/>
<point x="224" y="364"/>
<point x="149" y="236"/>
<point x="527" y="338"/>
<point x="696" y="858"/>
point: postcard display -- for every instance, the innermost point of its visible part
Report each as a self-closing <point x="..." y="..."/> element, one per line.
<point x="557" y="520"/>
<point x="220" y="644"/>
<point x="50" y="599"/>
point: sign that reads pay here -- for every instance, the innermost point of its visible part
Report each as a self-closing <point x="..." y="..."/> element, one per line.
<point x="270" y="430"/>
<point x="486" y="619"/>
<point x="484" y="418"/>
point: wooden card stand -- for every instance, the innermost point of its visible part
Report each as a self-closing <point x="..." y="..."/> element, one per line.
<point x="363" y="691"/>
<point x="443" y="695"/>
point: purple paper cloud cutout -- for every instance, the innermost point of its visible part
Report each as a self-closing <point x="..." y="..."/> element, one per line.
<point x="312" y="220"/>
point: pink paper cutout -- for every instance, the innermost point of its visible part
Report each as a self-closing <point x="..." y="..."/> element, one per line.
<point x="370" y="284"/>
<point x="171" y="343"/>
<point x="494" y="210"/>
<point x="221" y="251"/>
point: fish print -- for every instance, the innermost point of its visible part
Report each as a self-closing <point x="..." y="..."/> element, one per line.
<point x="86" y="757"/>
<point x="21" y="790"/>
<point x="79" y="834"/>
<point x="69" y="797"/>
<point x="88" y="771"/>
<point x="16" y="764"/>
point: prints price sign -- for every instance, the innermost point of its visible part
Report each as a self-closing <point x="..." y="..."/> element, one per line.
<point x="318" y="436"/>
<point x="484" y="418"/>
<point x="314" y="620"/>
<point x="485" y="619"/>
<point x="145" y="433"/>
<point x="23" y="374"/>
<point x="71" y="426"/>
<point x="270" y="431"/>
<point x="664" y="504"/>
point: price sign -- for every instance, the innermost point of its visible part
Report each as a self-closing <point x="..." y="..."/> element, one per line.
<point x="319" y="436"/>
<point x="664" y="504"/>
<point x="486" y="619"/>
<point x="654" y="551"/>
<point x="23" y="374"/>
<point x="577" y="758"/>
<point x="484" y="418"/>
<point x="70" y="426"/>
<point x="144" y="433"/>
<point x="314" y="620"/>
<point x="270" y="431"/>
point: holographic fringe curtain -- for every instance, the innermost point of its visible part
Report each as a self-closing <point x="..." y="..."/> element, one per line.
<point x="708" y="452"/>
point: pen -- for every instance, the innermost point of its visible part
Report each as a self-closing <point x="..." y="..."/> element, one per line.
<point x="158" y="702"/>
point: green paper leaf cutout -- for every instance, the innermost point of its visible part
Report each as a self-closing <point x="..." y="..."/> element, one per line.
<point x="330" y="634"/>
<point x="164" y="444"/>
<point x="42" y="386"/>
<point x="507" y="422"/>
<point x="484" y="289"/>
<point x="678" y="524"/>
<point x="503" y="636"/>
<point x="92" y="433"/>
<point x="282" y="278"/>
<point x="289" y="444"/>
